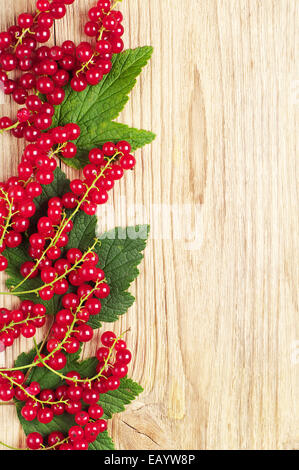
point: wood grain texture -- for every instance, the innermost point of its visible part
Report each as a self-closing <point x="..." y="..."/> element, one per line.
<point x="215" y="325"/>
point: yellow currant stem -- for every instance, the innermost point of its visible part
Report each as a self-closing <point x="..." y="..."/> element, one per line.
<point x="59" y="278"/>
<point x="102" y="29"/>
<point x="98" y="376"/>
<point x="55" y="445"/>
<point x="28" y="181"/>
<point x="13" y="324"/>
<point x="10" y="447"/>
<point x="16" y="384"/>
<point x="8" y="217"/>
<point x="20" y="38"/>
<point x="114" y="4"/>
<point x="38" y="261"/>
<point x="24" y="32"/>
<point x="57" y="150"/>
<point x="86" y="64"/>
<point x="64" y="224"/>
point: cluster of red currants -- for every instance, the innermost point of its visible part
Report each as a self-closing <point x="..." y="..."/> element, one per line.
<point x="18" y="193"/>
<point x="16" y="207"/>
<point x="38" y="159"/>
<point x="53" y="229"/>
<point x="69" y="273"/>
<point x="46" y="70"/>
<point x="47" y="243"/>
<point x="78" y="397"/>
<point x="19" y="51"/>
<point x="106" y="166"/>
<point x="23" y="321"/>
<point x="106" y="26"/>
<point x="71" y="323"/>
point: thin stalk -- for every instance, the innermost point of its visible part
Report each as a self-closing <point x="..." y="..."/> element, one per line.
<point x="59" y="278"/>
<point x="16" y="384"/>
<point x="13" y="324"/>
<point x="10" y="447"/>
<point x="98" y="376"/>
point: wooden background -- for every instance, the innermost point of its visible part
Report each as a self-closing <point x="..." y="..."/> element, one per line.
<point x="215" y="327"/>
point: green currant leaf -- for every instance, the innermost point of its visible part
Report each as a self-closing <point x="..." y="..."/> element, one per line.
<point x="83" y="234"/>
<point x="103" y="442"/>
<point x="24" y="359"/>
<point x="115" y="401"/>
<point x="119" y="254"/>
<point x="95" y="107"/>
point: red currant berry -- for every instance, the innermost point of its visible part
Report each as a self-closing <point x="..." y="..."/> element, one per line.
<point x="43" y="5"/>
<point x="102" y="425"/>
<point x="46" y="293"/>
<point x="84" y="333"/>
<point x="91" y="29"/>
<point x="120" y="371"/>
<point x="25" y="20"/>
<point x="58" y="10"/>
<point x="29" y="413"/>
<point x="28" y="331"/>
<point x="84" y="52"/>
<point x="72" y="345"/>
<point x="28" y="270"/>
<point x="95" y="411"/>
<point x="90" y="397"/>
<point x="69" y="151"/>
<point x="57" y="361"/>
<point x="113" y="383"/>
<point x="55" y="437"/>
<point x="45" y="415"/>
<point x="74" y="255"/>
<point x="73" y="407"/>
<point x="82" y="418"/>
<point x="109" y="149"/>
<point x="102" y="291"/>
<point x="80" y="445"/>
<point x="124" y="356"/>
<point x="13" y="239"/>
<point x="73" y="376"/>
<point x="73" y="131"/>
<point x="34" y="441"/>
<point x="108" y="338"/>
<point x="127" y="162"/>
<point x="79" y="83"/>
<point x="3" y="263"/>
